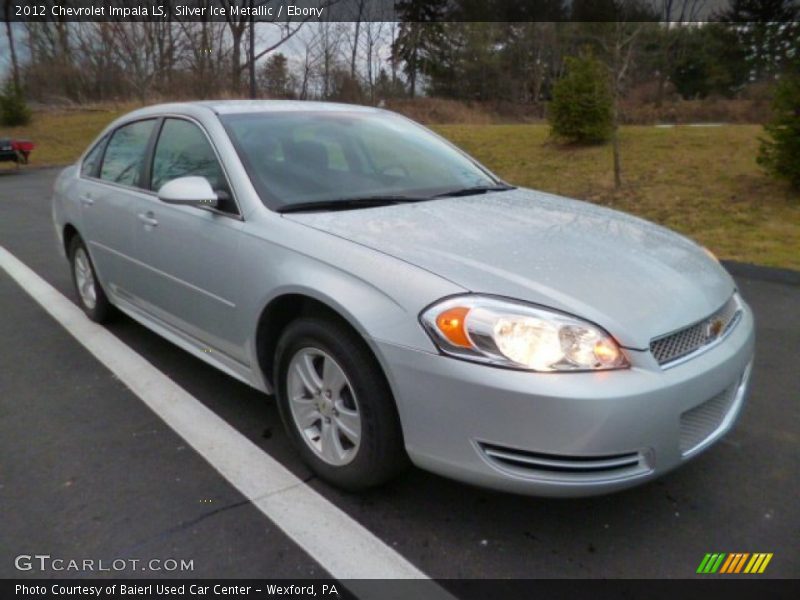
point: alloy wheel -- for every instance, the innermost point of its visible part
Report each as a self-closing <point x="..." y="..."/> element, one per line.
<point x="84" y="279"/>
<point x="324" y="406"/>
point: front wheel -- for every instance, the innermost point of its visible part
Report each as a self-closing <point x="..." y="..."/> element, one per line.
<point x="336" y="405"/>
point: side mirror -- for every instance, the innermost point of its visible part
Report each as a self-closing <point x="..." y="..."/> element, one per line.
<point x="189" y="191"/>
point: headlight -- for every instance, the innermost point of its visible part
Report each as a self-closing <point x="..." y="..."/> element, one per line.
<point x="518" y="335"/>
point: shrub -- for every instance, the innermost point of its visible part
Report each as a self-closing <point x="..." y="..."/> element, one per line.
<point x="780" y="155"/>
<point x="581" y="108"/>
<point x="13" y="109"/>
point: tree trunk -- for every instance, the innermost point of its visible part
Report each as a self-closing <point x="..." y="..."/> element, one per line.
<point x="662" y="80"/>
<point x="10" y="34"/>
<point x="252" y="58"/>
<point x="354" y="55"/>
<point x="412" y="75"/>
<point x="615" y="148"/>
<point x="236" y="60"/>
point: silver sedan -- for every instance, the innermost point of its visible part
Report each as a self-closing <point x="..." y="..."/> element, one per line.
<point x="401" y="302"/>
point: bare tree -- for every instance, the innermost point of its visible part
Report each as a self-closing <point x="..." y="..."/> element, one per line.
<point x="329" y="45"/>
<point x="374" y="41"/>
<point x="308" y="64"/>
<point x="359" y="10"/>
<point x="238" y="15"/>
<point x="202" y="50"/>
<point x="623" y="43"/>
<point x="135" y="48"/>
<point x="617" y="42"/>
<point x="10" y="34"/>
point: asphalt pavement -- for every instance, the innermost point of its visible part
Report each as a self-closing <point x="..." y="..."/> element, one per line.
<point x="86" y="469"/>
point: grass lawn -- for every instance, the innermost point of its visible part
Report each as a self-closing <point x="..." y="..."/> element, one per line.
<point x="61" y="136"/>
<point x="701" y="181"/>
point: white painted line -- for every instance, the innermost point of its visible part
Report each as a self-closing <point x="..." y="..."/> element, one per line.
<point x="342" y="546"/>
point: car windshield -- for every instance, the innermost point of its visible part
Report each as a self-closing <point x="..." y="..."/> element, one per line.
<point x="319" y="158"/>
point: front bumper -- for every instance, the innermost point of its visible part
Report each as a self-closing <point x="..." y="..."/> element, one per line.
<point x="567" y="434"/>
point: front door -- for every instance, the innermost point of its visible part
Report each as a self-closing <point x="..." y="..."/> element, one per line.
<point x="191" y="252"/>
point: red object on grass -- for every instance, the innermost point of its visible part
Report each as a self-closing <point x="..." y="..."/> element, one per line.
<point x="24" y="146"/>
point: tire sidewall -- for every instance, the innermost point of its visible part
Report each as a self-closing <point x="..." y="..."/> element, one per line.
<point x="101" y="307"/>
<point x="371" y="393"/>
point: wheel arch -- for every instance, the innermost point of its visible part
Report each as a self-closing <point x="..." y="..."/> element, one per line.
<point x="68" y="233"/>
<point x="289" y="306"/>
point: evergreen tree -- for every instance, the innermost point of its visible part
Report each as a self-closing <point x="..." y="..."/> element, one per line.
<point x="14" y="110"/>
<point x="769" y="31"/>
<point x="419" y="37"/>
<point x="582" y="107"/>
<point x="780" y="155"/>
<point x="275" y="77"/>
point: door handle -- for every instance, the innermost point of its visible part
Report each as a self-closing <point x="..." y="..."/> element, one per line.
<point x="86" y="200"/>
<point x="148" y="218"/>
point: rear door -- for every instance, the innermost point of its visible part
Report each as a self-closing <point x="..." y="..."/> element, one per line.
<point x="111" y="197"/>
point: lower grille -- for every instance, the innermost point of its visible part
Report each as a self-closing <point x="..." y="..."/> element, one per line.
<point x="553" y="466"/>
<point x="689" y="339"/>
<point x="701" y="422"/>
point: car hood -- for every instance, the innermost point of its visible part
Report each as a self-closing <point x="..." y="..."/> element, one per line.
<point x="634" y="278"/>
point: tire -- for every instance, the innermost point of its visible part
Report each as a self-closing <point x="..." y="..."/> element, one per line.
<point x="361" y="389"/>
<point x="92" y="299"/>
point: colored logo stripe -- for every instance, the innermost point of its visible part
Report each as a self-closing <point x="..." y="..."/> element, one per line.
<point x="734" y="562"/>
<point x="758" y="563"/>
<point x="711" y="563"/>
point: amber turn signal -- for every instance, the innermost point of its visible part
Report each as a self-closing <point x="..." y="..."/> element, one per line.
<point x="451" y="324"/>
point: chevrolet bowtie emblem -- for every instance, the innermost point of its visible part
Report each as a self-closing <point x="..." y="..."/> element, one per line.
<point x="714" y="328"/>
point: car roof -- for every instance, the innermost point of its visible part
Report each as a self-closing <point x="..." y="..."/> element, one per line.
<point x="202" y="109"/>
<point x="226" y="107"/>
<point x="243" y="106"/>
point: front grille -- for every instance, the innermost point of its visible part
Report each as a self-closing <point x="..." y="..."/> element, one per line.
<point x="676" y="345"/>
<point x="701" y="422"/>
<point x="553" y="466"/>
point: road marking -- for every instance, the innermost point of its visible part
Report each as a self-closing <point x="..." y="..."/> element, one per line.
<point x="342" y="546"/>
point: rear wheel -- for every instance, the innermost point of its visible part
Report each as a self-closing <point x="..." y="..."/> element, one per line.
<point x="91" y="297"/>
<point x="336" y="405"/>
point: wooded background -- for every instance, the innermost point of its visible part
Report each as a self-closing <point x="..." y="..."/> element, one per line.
<point x="663" y="64"/>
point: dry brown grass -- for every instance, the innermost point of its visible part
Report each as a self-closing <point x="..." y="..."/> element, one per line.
<point x="439" y="110"/>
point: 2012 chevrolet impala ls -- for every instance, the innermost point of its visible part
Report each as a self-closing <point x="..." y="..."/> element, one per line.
<point x="402" y="302"/>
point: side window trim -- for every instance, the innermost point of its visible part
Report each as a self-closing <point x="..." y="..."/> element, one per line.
<point x="149" y="155"/>
<point x="152" y="155"/>
<point x="101" y="146"/>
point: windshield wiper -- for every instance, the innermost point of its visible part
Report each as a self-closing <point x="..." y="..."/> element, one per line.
<point x="348" y="203"/>
<point x="477" y="189"/>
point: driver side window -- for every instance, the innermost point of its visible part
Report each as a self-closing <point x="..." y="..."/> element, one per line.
<point x="184" y="150"/>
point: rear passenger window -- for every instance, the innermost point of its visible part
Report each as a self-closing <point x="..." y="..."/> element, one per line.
<point x="124" y="157"/>
<point x="92" y="161"/>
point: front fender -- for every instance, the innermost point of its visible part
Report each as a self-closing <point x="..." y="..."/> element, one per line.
<point x="378" y="295"/>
